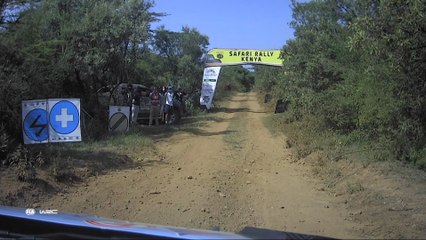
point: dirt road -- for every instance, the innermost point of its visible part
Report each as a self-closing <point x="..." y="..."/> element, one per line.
<point x="227" y="172"/>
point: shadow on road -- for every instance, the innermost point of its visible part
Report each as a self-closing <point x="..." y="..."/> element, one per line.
<point x="99" y="160"/>
<point x="233" y="110"/>
<point x="193" y="131"/>
<point x="192" y="125"/>
<point x="68" y="167"/>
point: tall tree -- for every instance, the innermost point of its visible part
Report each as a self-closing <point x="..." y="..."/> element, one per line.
<point x="183" y="52"/>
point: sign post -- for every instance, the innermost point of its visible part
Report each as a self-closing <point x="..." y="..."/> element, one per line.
<point x="119" y="118"/>
<point x="52" y="120"/>
<point x="35" y="121"/>
<point x="64" y="120"/>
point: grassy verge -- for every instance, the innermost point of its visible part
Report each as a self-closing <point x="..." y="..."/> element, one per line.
<point x="40" y="171"/>
<point x="123" y="143"/>
<point x="78" y="161"/>
<point x="306" y="137"/>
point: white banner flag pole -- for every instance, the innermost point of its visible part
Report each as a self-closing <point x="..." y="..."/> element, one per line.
<point x="210" y="77"/>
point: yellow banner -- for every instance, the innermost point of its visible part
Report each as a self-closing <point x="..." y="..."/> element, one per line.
<point x="223" y="57"/>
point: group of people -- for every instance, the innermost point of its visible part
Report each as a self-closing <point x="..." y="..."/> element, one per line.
<point x="171" y="100"/>
<point x="162" y="101"/>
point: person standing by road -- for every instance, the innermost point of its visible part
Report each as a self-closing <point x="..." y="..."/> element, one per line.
<point x="168" y="107"/>
<point x="128" y="95"/>
<point x="163" y="91"/>
<point x="154" y="96"/>
<point x="136" y="102"/>
<point x="180" y="97"/>
<point x="128" y="99"/>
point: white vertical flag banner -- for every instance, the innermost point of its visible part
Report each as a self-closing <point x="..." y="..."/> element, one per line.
<point x="64" y="120"/>
<point x="119" y="119"/>
<point x="35" y="121"/>
<point x="210" y="77"/>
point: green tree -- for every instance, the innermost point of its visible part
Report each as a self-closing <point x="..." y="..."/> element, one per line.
<point x="182" y="53"/>
<point x="392" y="33"/>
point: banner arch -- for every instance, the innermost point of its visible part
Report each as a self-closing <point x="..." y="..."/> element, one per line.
<point x="217" y="58"/>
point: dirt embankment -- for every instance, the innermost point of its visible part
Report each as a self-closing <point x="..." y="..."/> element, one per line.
<point x="229" y="171"/>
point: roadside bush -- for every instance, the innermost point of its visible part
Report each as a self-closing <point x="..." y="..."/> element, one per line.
<point x="408" y="141"/>
<point x="339" y="114"/>
<point x="26" y="163"/>
<point x="60" y="168"/>
<point x="192" y="104"/>
<point x="420" y="158"/>
<point x="4" y="144"/>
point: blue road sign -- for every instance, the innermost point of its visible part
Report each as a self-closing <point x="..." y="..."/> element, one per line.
<point x="35" y="125"/>
<point x="64" y="117"/>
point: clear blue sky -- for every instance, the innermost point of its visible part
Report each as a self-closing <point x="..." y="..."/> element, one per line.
<point x="246" y="24"/>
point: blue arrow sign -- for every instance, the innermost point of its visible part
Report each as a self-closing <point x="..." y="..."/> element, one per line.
<point x="64" y="117"/>
<point x="35" y="125"/>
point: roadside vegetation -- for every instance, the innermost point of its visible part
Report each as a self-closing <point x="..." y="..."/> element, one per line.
<point x="73" y="48"/>
<point x="354" y="76"/>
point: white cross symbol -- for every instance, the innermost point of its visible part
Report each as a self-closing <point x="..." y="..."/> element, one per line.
<point x="64" y="118"/>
